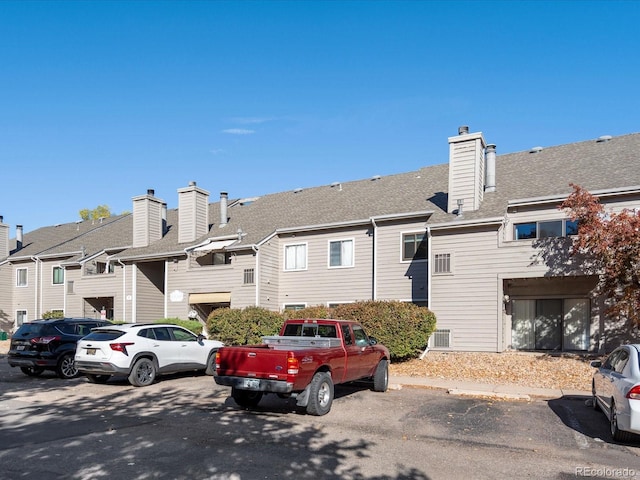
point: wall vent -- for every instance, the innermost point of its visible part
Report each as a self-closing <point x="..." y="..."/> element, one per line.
<point x="440" y="339"/>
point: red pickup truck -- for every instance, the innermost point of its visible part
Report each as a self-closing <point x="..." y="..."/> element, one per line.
<point x="305" y="361"/>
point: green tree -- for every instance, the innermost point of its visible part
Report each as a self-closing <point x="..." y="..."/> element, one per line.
<point x="611" y="241"/>
<point x="101" y="211"/>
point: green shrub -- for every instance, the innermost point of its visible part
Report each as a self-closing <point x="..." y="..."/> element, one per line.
<point x="404" y="328"/>
<point x="52" y="314"/>
<point x="193" y="325"/>
<point x="243" y="327"/>
<point x="319" y="311"/>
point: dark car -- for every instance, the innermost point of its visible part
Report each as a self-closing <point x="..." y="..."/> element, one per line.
<point x="49" y="345"/>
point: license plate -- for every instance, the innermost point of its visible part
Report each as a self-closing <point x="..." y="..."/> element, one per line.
<point x="91" y="351"/>
<point x="251" y="383"/>
<point x="20" y="347"/>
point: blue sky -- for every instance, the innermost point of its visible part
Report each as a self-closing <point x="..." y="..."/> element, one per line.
<point x="100" y="101"/>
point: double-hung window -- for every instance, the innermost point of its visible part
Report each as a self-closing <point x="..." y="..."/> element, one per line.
<point x="341" y="253"/>
<point x="21" y="277"/>
<point x="295" y="257"/>
<point x="414" y="247"/>
<point x="58" y="276"/>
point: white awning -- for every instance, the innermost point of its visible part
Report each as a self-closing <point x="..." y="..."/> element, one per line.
<point x="213" y="246"/>
<point x="215" y="297"/>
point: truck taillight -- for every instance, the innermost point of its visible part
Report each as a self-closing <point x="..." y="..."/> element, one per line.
<point x="292" y="364"/>
<point x="217" y="360"/>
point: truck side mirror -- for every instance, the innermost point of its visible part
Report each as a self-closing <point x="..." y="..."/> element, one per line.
<point x="372" y="341"/>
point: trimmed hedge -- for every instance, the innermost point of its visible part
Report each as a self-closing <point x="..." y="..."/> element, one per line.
<point x="243" y="327"/>
<point x="404" y="328"/>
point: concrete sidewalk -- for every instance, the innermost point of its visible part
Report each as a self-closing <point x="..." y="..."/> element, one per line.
<point x="476" y="389"/>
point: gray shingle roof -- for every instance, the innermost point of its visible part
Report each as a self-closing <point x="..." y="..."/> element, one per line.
<point x="591" y="164"/>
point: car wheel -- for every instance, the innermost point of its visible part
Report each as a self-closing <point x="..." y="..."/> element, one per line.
<point x="594" y="398"/>
<point x="32" y="371"/>
<point x="93" y="378"/>
<point x="67" y="367"/>
<point x="211" y="364"/>
<point x="143" y="373"/>
<point x="320" y="394"/>
<point x="381" y="376"/>
<point x="246" y="398"/>
<point x="617" y="434"/>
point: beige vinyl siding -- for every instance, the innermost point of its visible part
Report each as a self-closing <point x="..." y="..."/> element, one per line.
<point x="193" y="214"/>
<point x="397" y="279"/>
<point x="147" y="225"/>
<point x="73" y="301"/>
<point x="243" y="295"/>
<point x="466" y="301"/>
<point x="319" y="283"/>
<point x="178" y="287"/>
<point x="24" y="297"/>
<point x="52" y="295"/>
<point x="149" y="292"/>
<point x="7" y="315"/>
<point x="269" y="274"/>
<point x="466" y="173"/>
<point x="97" y="286"/>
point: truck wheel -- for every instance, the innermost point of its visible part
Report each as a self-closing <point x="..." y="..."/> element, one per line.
<point x="320" y="394"/>
<point x="381" y="376"/>
<point x="143" y="373"/>
<point x="67" y="367"/>
<point x="246" y="398"/>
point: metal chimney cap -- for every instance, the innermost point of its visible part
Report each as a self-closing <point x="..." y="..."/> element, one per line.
<point x="463" y="130"/>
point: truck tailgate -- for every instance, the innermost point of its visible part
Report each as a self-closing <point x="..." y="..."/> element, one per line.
<point x="253" y="361"/>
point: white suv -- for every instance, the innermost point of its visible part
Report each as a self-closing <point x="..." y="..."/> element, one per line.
<point x="143" y="351"/>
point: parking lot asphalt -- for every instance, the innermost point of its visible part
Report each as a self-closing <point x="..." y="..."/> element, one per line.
<point x="453" y="386"/>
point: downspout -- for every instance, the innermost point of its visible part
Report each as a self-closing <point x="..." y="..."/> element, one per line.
<point x="426" y="350"/>
<point x="36" y="304"/>
<point x="166" y="286"/>
<point x="134" y="312"/>
<point x="124" y="291"/>
<point x="257" y="273"/>
<point x="64" y="291"/>
<point x="429" y="267"/>
<point x="374" y="266"/>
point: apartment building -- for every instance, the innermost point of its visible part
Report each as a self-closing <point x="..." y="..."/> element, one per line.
<point x="479" y="239"/>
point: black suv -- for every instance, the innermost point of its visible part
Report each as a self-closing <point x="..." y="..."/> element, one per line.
<point x="49" y="345"/>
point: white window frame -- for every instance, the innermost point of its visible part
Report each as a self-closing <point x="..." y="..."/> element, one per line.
<point x="435" y="263"/>
<point x="53" y="274"/>
<point x="306" y="253"/>
<point x="412" y="232"/>
<point x="26" y="277"/>
<point x="25" y="319"/>
<point x="287" y="306"/>
<point x="353" y="252"/>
